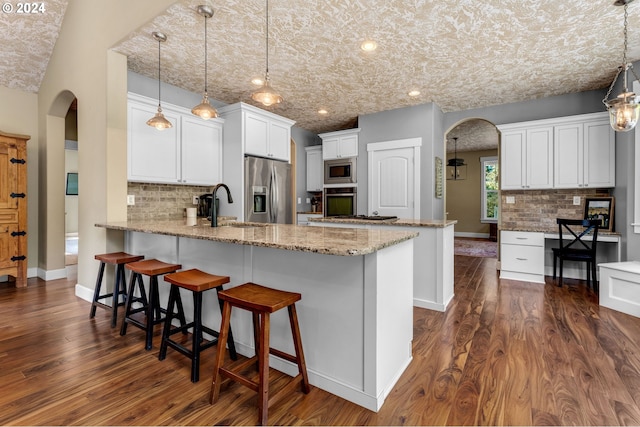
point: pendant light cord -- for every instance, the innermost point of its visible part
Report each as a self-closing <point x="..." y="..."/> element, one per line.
<point x="267" y="43"/>
<point x="159" y="83"/>
<point x="205" y="54"/>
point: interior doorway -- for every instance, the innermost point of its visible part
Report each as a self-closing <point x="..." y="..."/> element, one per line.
<point x="71" y="189"/>
<point x="472" y="186"/>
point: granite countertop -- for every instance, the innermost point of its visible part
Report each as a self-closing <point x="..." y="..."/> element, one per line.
<point x="322" y="240"/>
<point x="309" y="213"/>
<point x="434" y="223"/>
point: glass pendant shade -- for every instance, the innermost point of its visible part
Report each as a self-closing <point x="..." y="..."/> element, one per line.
<point x="159" y="121"/>
<point x="624" y="112"/>
<point x="266" y="95"/>
<point x="204" y="110"/>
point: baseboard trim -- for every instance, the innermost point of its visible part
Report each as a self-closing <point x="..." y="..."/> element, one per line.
<point x="84" y="292"/>
<point x="47" y="275"/>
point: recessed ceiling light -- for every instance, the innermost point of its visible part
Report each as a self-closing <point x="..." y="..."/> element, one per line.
<point x="414" y="93"/>
<point x="323" y="111"/>
<point x="257" y="81"/>
<point x="368" y="45"/>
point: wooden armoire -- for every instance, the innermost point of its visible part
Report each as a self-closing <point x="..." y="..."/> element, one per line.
<point x="13" y="207"/>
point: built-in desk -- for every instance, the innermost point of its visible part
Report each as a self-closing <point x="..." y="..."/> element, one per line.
<point x="527" y="254"/>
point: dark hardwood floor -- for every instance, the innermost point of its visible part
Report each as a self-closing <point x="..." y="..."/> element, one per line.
<point x="504" y="353"/>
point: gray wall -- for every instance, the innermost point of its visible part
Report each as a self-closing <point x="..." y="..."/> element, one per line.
<point x="303" y="138"/>
<point x="403" y="123"/>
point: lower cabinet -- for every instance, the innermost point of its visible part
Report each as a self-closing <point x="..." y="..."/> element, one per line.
<point x="522" y="256"/>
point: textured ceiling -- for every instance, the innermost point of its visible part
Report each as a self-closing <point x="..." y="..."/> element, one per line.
<point x="460" y="54"/>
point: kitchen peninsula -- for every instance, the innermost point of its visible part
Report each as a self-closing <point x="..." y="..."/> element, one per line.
<point x="433" y="253"/>
<point x="356" y="315"/>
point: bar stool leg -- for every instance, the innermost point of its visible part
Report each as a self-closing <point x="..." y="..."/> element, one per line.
<point x="232" y="344"/>
<point x="154" y="303"/>
<point x="196" y="336"/>
<point x="297" y="344"/>
<point x="118" y="287"/>
<point x="263" y="369"/>
<point x="127" y="307"/>
<point x="222" y="346"/>
<point x="96" y="290"/>
<point x="167" y="323"/>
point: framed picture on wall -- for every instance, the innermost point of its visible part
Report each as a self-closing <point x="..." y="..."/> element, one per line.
<point x="600" y="208"/>
<point x="72" y="184"/>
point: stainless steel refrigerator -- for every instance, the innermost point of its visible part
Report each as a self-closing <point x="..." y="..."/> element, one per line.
<point x="267" y="191"/>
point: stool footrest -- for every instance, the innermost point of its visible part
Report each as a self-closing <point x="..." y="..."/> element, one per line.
<point x="283" y="355"/>
<point x="239" y="378"/>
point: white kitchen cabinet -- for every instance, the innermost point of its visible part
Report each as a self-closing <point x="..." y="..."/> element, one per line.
<point x="584" y="153"/>
<point x="526" y="158"/>
<point x="315" y="170"/>
<point x="265" y="134"/>
<point x="564" y="152"/>
<point x="188" y="153"/>
<point x="340" y="144"/>
<point x="522" y="256"/>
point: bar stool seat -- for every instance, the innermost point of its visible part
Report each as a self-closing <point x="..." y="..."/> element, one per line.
<point x="197" y="282"/>
<point x="151" y="307"/>
<point x="117" y="259"/>
<point x="261" y="301"/>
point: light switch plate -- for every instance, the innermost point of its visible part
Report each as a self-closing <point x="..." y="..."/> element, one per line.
<point x="576" y="200"/>
<point x="195" y="200"/>
<point x="308" y="200"/>
<point x="511" y="199"/>
<point x="299" y="200"/>
<point x="131" y="199"/>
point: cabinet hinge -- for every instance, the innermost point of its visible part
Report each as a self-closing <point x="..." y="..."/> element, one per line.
<point x="18" y="233"/>
<point x="21" y="195"/>
<point x="21" y="161"/>
<point x="18" y="258"/>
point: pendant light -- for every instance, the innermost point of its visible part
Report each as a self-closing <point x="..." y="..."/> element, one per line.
<point x="204" y="109"/>
<point x="456" y="169"/>
<point x="266" y="95"/>
<point x="624" y="110"/>
<point x="158" y="121"/>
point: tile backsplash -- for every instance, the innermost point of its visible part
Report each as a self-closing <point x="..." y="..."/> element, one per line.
<point x="161" y="201"/>
<point x="538" y="209"/>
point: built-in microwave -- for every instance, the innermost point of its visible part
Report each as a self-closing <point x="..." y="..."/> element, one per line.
<point x="340" y="171"/>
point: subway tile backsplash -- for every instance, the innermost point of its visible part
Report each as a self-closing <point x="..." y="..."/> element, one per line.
<point x="538" y="209"/>
<point x="162" y="201"/>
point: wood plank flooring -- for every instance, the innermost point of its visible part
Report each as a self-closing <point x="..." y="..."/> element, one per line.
<point x="504" y="353"/>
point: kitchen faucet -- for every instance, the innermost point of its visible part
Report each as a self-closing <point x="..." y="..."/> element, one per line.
<point x="214" y="210"/>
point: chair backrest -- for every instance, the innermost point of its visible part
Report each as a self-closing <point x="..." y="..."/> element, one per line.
<point x="573" y="238"/>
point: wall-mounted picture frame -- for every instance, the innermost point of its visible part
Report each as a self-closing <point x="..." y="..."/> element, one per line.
<point x="601" y="208"/>
<point x="72" y="184"/>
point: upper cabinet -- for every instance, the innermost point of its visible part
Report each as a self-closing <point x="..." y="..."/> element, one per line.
<point x="188" y="153"/>
<point x="527" y="158"/>
<point x="263" y="133"/>
<point x="336" y="145"/>
<point x="315" y="172"/>
<point x="566" y="152"/>
<point x="584" y="154"/>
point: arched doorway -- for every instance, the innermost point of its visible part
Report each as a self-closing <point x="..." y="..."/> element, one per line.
<point x="472" y="192"/>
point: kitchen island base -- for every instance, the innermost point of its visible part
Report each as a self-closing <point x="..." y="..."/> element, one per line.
<point x="356" y="316"/>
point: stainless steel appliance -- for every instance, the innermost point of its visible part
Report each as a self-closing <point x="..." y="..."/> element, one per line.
<point x="340" y="171"/>
<point x="339" y="201"/>
<point x="267" y="191"/>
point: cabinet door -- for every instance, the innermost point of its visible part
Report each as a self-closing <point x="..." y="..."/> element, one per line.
<point x="201" y="148"/>
<point x="279" y="141"/>
<point x="539" y="158"/>
<point x="599" y="155"/>
<point x="256" y="129"/>
<point x="315" y="172"/>
<point x="567" y="156"/>
<point x="330" y="148"/>
<point x="512" y="156"/>
<point x="8" y="175"/>
<point x="348" y="146"/>
<point x="8" y="245"/>
<point x="153" y="155"/>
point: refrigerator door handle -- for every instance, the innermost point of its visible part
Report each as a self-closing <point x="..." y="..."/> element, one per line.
<point x="272" y="200"/>
<point x="276" y="196"/>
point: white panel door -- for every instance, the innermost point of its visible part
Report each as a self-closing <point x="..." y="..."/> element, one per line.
<point x="279" y="141"/>
<point x="599" y="155"/>
<point x="567" y="159"/>
<point x="540" y="157"/>
<point x="256" y="129"/>
<point x="512" y="167"/>
<point x="392" y="182"/>
<point x="201" y="151"/>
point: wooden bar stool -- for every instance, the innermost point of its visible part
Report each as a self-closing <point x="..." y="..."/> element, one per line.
<point x="197" y="282"/>
<point x="261" y="301"/>
<point x="151" y="307"/>
<point x="117" y="259"/>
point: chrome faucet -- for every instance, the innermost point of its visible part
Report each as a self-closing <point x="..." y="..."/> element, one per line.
<point x="214" y="210"/>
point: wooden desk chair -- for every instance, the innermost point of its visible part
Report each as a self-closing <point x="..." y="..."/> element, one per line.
<point x="574" y="248"/>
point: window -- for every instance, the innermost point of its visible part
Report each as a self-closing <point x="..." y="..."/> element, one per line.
<point x="489" y="182"/>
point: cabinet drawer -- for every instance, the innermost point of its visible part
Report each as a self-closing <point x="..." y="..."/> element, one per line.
<point x="8" y="216"/>
<point x="523" y="259"/>
<point x="522" y="238"/>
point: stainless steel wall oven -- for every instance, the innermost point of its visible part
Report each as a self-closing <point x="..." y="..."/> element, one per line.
<point x="340" y="201"/>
